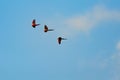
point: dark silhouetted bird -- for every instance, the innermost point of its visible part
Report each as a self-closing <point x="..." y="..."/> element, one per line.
<point x="34" y="23"/>
<point x="60" y="39"/>
<point x="46" y="29"/>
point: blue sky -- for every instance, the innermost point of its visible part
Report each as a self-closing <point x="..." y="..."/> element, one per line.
<point x="91" y="51"/>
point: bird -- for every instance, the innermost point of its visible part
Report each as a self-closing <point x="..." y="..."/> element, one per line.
<point x="34" y="23"/>
<point x="60" y="39"/>
<point x="46" y="29"/>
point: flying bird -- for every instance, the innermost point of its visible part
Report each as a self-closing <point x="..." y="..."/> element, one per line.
<point x="46" y="29"/>
<point x="34" y="23"/>
<point x="60" y="39"/>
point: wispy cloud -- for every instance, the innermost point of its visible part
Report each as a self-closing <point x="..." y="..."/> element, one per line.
<point x="83" y="22"/>
<point x="110" y="63"/>
<point x="115" y="62"/>
<point x="91" y="18"/>
<point x="118" y="46"/>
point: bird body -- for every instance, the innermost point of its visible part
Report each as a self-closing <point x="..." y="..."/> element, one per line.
<point x="34" y="23"/>
<point x="60" y="39"/>
<point x="46" y="29"/>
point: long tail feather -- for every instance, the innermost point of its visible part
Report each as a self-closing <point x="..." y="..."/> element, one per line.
<point x="50" y="29"/>
<point x="37" y="24"/>
<point x="64" y="39"/>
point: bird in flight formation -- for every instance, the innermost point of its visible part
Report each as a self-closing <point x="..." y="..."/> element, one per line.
<point x="60" y="39"/>
<point x="34" y="23"/>
<point x="46" y="29"/>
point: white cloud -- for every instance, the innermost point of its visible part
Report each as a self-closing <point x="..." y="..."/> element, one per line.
<point x="110" y="63"/>
<point x="118" y="46"/>
<point x="115" y="61"/>
<point x="91" y="18"/>
<point x="82" y="22"/>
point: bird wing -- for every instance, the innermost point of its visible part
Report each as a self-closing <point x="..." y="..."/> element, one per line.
<point x="45" y="27"/>
<point x="33" y="22"/>
<point x="59" y="40"/>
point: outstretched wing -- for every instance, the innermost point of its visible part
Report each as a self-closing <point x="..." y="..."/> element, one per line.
<point x="45" y="27"/>
<point x="33" y="22"/>
<point x="59" y="40"/>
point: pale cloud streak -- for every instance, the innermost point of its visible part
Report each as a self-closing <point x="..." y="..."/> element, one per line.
<point x="115" y="62"/>
<point x="70" y="26"/>
<point x="110" y="63"/>
<point x="118" y="46"/>
<point x="91" y="18"/>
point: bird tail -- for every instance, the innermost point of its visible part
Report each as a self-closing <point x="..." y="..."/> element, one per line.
<point x="37" y="24"/>
<point x="50" y="29"/>
<point x="64" y="39"/>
